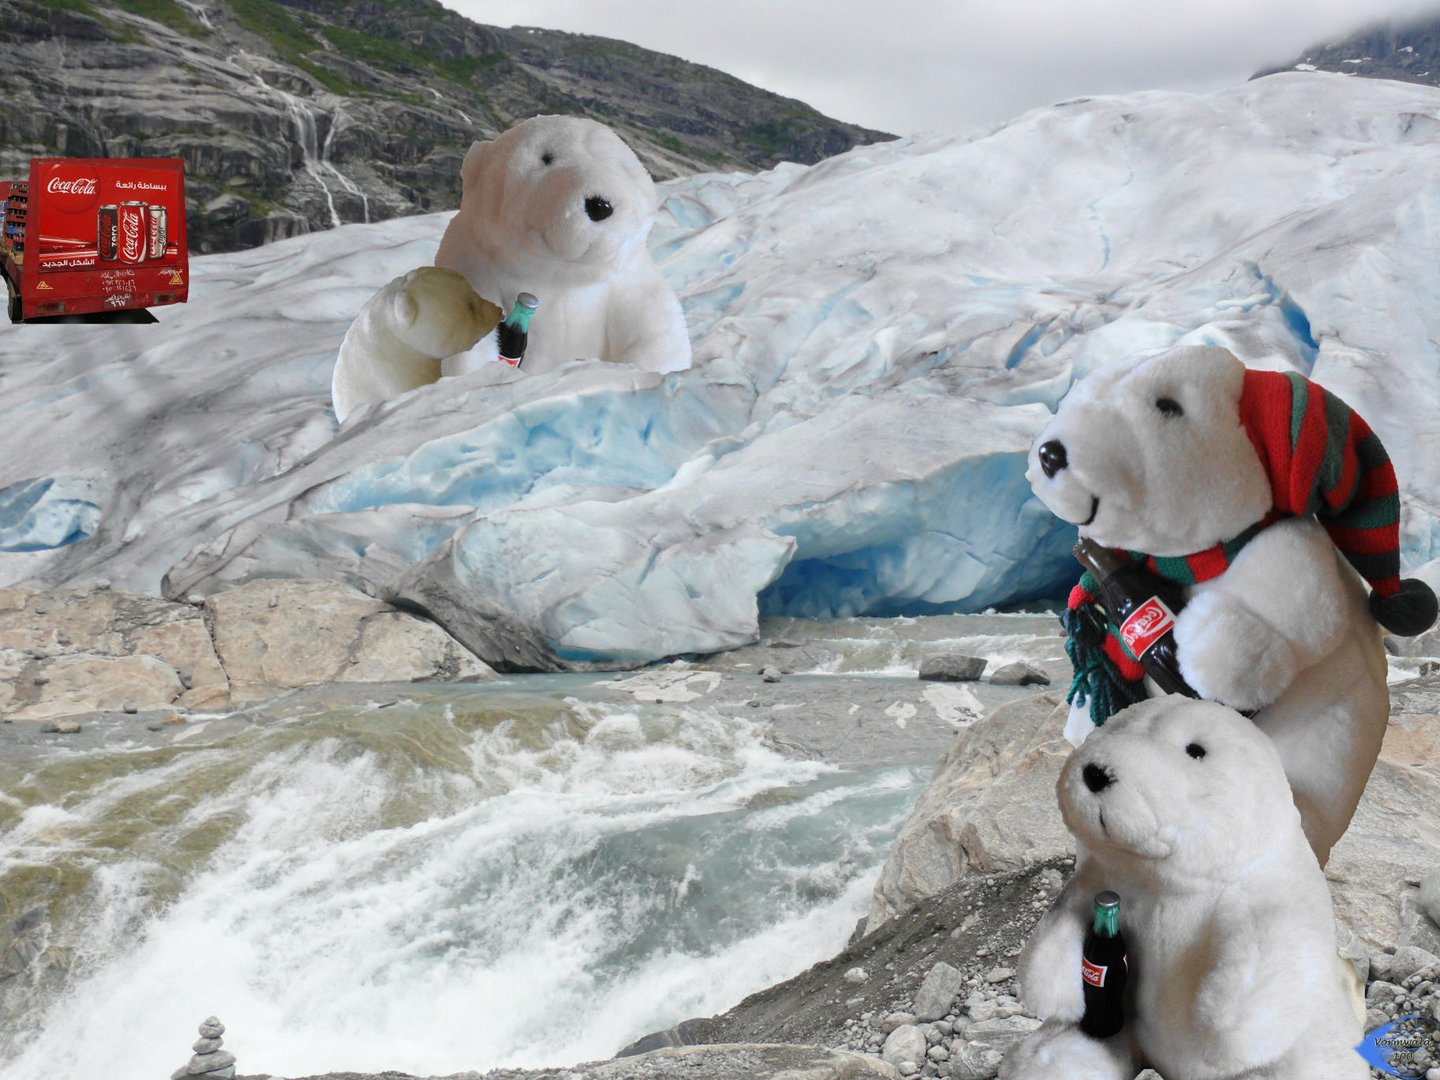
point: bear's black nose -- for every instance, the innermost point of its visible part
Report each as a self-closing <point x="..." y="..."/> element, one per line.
<point x="598" y="209"/>
<point x="1052" y="457"/>
<point x="1096" y="778"/>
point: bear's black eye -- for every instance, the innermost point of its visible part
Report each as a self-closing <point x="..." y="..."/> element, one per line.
<point x="547" y="158"/>
<point x="1195" y="750"/>
<point x="1169" y="406"/>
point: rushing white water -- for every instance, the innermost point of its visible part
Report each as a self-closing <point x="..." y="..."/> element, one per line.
<point x="431" y="889"/>
<point x="198" y="10"/>
<point x="349" y="185"/>
<point x="315" y="159"/>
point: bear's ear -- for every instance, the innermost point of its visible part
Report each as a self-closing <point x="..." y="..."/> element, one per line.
<point x="470" y="167"/>
<point x="403" y="309"/>
<point x="1198" y="374"/>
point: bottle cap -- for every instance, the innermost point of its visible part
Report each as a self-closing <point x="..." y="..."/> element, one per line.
<point x="528" y="300"/>
<point x="1107" y="899"/>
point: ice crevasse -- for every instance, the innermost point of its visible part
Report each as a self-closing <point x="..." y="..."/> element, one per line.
<point x="877" y="339"/>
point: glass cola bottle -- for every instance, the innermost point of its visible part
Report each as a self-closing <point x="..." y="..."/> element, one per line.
<point x="1144" y="607"/>
<point x="513" y="334"/>
<point x="1104" y="968"/>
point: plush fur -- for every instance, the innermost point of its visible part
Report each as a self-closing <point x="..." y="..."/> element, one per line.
<point x="403" y="332"/>
<point x="527" y="224"/>
<point x="1226" y="916"/>
<point x="1285" y="630"/>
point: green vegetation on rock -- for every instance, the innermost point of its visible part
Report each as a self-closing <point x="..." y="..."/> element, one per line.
<point x="78" y="6"/>
<point x="167" y="13"/>
<point x="401" y="57"/>
<point x="292" y="43"/>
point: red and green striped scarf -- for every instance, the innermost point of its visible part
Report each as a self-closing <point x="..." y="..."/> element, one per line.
<point x="1107" y="675"/>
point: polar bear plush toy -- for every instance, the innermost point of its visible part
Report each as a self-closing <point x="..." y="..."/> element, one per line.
<point x="1267" y="500"/>
<point x="1181" y="807"/>
<point x="402" y="335"/>
<point x="560" y="207"/>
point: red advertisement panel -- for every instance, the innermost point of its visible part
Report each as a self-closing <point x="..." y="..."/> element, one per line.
<point x="104" y="234"/>
<point x="92" y="213"/>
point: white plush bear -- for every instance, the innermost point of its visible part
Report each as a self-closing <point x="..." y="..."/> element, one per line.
<point x="402" y="334"/>
<point x="1181" y="807"/>
<point x="1217" y="474"/>
<point x="560" y="207"/>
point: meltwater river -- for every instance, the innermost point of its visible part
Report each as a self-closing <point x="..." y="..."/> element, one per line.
<point x="424" y="878"/>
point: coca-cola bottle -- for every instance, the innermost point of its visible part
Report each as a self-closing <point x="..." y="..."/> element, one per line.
<point x="1144" y="607"/>
<point x="1104" y="968"/>
<point x="512" y="335"/>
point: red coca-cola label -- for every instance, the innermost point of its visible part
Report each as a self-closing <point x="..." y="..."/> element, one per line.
<point x="71" y="191"/>
<point x="1146" y="625"/>
<point x="132" y="232"/>
<point x="1094" y="974"/>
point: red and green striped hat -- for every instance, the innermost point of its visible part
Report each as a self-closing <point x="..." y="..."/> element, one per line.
<point x="1323" y="459"/>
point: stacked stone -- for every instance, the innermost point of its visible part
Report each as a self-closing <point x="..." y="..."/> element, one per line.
<point x="209" y="1062"/>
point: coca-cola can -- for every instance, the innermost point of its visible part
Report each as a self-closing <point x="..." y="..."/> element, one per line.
<point x="157" y="232"/>
<point x="132" y="229"/>
<point x="106" y="229"/>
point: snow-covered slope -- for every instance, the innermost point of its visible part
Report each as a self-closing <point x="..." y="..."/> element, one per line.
<point x="877" y="339"/>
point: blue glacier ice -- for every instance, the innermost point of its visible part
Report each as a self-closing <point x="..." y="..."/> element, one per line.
<point x="877" y="339"/>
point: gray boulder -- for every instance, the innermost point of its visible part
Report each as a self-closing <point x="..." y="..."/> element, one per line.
<point x="905" y="1043"/>
<point x="937" y="992"/>
<point x="952" y="667"/>
<point x="975" y="1061"/>
<point x="1003" y="1032"/>
<point x="1019" y="674"/>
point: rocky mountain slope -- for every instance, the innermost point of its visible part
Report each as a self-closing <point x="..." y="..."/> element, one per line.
<point x="294" y="115"/>
<point x="1408" y="52"/>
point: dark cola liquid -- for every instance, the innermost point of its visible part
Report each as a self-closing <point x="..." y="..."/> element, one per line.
<point x="1140" y="604"/>
<point x="512" y="335"/>
<point x="1104" y="970"/>
<point x="512" y="341"/>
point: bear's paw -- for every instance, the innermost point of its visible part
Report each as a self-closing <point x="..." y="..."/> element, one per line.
<point x="1063" y="1050"/>
<point x="1229" y="654"/>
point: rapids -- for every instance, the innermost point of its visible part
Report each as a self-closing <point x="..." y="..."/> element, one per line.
<point x="442" y="878"/>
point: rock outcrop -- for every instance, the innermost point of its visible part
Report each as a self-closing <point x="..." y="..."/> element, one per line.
<point x="67" y="652"/>
<point x="1407" y="51"/>
<point x="991" y="808"/>
<point x="284" y="635"/>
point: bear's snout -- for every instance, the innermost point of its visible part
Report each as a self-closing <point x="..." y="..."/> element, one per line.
<point x="1096" y="778"/>
<point x="598" y="208"/>
<point x="1053" y="457"/>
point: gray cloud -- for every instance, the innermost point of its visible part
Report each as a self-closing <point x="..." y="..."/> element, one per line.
<point x="917" y="65"/>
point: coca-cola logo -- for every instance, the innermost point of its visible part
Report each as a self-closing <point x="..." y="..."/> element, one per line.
<point x="71" y="192"/>
<point x="1148" y="622"/>
<point x="81" y="185"/>
<point x="131" y="242"/>
<point x="1093" y="973"/>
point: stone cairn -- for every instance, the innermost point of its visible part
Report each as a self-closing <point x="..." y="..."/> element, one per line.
<point x="209" y="1062"/>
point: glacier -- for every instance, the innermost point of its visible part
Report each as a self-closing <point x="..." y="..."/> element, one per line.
<point x="877" y="338"/>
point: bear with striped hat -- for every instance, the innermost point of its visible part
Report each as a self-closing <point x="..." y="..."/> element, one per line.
<point x="1275" y="510"/>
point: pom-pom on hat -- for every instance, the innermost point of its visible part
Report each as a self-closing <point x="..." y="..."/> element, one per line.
<point x="1323" y="459"/>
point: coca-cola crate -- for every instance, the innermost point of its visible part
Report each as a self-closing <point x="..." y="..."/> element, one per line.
<point x="95" y="235"/>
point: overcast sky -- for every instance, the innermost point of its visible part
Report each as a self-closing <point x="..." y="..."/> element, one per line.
<point x="918" y="65"/>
